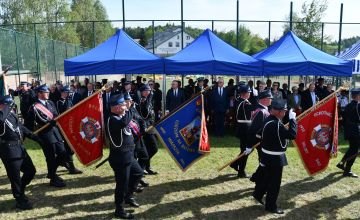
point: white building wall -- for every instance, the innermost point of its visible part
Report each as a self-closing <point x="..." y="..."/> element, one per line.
<point x="164" y="48"/>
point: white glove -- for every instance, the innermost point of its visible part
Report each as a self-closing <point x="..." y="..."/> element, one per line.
<point x="166" y="112"/>
<point x="248" y="151"/>
<point x="292" y="114"/>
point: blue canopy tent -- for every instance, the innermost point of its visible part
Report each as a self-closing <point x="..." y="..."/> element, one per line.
<point x="120" y="54"/>
<point x="208" y="54"/>
<point x="292" y="56"/>
<point x="352" y="53"/>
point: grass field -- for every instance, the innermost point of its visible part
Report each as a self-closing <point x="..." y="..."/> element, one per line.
<point x="200" y="193"/>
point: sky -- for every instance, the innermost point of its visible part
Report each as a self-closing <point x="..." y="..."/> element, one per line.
<point x="264" y="10"/>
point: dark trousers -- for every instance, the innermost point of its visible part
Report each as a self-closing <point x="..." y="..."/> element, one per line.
<point x="219" y="123"/>
<point x="13" y="168"/>
<point x="241" y="163"/>
<point x="55" y="155"/>
<point x="269" y="183"/>
<point x="151" y="147"/>
<point x="141" y="153"/>
<point x="354" y="145"/>
<point x="157" y="114"/>
<point x="127" y="177"/>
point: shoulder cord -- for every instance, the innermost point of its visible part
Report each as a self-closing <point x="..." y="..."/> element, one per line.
<point x="278" y="125"/>
<point x="147" y="112"/>
<point x="111" y="137"/>
<point x="4" y="130"/>
<point x="237" y="112"/>
<point x="286" y="141"/>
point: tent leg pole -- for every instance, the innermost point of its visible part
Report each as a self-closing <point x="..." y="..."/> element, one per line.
<point x="164" y="93"/>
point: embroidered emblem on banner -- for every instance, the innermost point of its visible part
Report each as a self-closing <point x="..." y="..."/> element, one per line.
<point x="192" y="131"/>
<point x="90" y="129"/>
<point x="320" y="137"/>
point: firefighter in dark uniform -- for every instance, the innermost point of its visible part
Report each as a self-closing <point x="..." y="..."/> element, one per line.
<point x="273" y="146"/>
<point x="27" y="98"/>
<point x="63" y="104"/>
<point x="43" y="112"/>
<point x="243" y="115"/>
<point x="258" y="116"/>
<point x="137" y="126"/>
<point x="146" y="111"/>
<point x="13" y="153"/>
<point x="352" y="133"/>
<point x="127" y="170"/>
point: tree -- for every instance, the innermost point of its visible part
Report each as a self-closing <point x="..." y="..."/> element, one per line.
<point x="90" y="10"/>
<point x="307" y="25"/>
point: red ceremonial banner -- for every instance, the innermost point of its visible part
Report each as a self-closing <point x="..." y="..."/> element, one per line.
<point x="82" y="128"/>
<point x="204" y="145"/>
<point x="317" y="136"/>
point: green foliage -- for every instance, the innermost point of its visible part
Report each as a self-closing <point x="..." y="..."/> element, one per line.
<point x="307" y="25"/>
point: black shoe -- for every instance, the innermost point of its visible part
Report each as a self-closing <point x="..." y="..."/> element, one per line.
<point x="72" y="169"/>
<point x="243" y="175"/>
<point x="23" y="203"/>
<point x="132" y="202"/>
<point x="151" y="172"/>
<point x="276" y="211"/>
<point x="145" y="172"/>
<point x="253" y="178"/>
<point x="234" y="166"/>
<point x="75" y="171"/>
<point x="139" y="189"/>
<point x="57" y="182"/>
<point x="144" y="183"/>
<point x="120" y="213"/>
<point x="259" y="200"/>
<point x="350" y="174"/>
<point x="340" y="166"/>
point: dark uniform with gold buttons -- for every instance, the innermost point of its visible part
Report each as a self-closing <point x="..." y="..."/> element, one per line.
<point x="243" y="118"/>
<point x="44" y="112"/>
<point x="13" y="153"/>
<point x="273" y="146"/>
<point x="63" y="104"/>
<point x="127" y="170"/>
<point x="352" y="133"/>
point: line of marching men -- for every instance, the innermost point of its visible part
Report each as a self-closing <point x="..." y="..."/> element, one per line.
<point x="126" y="122"/>
<point x="263" y="123"/>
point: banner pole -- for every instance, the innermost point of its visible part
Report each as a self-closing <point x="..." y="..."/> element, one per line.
<point x="72" y="108"/>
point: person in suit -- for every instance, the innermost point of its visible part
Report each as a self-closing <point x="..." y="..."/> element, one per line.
<point x="13" y="153"/>
<point x="274" y="142"/>
<point x="189" y="89"/>
<point x="220" y="106"/>
<point x="200" y="85"/>
<point x="127" y="170"/>
<point x="320" y="89"/>
<point x="294" y="100"/>
<point x="309" y="97"/>
<point x="157" y="99"/>
<point x="352" y="134"/>
<point x="174" y="97"/>
<point x="329" y="90"/>
<point x="285" y="91"/>
<point x="74" y="95"/>
<point x="90" y="90"/>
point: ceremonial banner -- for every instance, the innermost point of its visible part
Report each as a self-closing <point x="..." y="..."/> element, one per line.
<point x="317" y="136"/>
<point x="183" y="132"/>
<point x="82" y="128"/>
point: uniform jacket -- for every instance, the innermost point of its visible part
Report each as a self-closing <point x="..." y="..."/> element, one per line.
<point x="352" y="120"/>
<point x="275" y="139"/>
<point x="258" y="117"/>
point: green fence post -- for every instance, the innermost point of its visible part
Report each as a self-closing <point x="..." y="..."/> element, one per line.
<point x="37" y="53"/>
<point x="17" y="56"/>
<point x="54" y="56"/>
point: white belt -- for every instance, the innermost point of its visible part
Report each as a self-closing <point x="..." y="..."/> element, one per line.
<point x="277" y="153"/>
<point x="244" y="121"/>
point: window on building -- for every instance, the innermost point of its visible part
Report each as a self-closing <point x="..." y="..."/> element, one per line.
<point x="170" y="44"/>
<point x="177" y="44"/>
<point x="187" y="37"/>
<point x="178" y="37"/>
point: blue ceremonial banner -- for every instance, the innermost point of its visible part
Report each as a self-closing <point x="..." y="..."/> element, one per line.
<point x="183" y="132"/>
